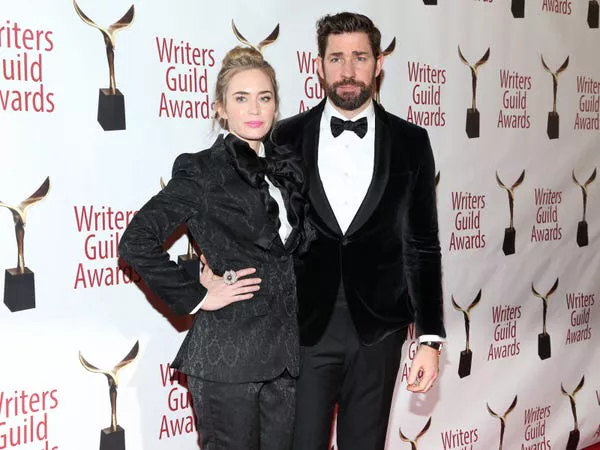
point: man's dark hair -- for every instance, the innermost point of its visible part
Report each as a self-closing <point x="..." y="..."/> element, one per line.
<point x="346" y="22"/>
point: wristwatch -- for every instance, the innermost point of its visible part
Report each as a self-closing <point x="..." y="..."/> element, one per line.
<point x="433" y="344"/>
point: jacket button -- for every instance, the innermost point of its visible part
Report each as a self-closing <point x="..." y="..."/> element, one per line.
<point x="283" y="258"/>
<point x="344" y="242"/>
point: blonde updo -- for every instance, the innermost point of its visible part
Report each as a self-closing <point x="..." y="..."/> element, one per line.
<point x="237" y="60"/>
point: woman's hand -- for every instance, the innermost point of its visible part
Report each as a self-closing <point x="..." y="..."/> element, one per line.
<point x="221" y="294"/>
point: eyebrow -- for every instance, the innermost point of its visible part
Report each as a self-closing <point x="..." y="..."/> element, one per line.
<point x="354" y="53"/>
<point x="248" y="93"/>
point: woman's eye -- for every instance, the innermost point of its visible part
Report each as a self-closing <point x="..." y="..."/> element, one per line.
<point x="265" y="98"/>
<point x="240" y="99"/>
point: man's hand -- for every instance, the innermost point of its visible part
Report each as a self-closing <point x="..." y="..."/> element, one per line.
<point x="221" y="294"/>
<point x="424" y="369"/>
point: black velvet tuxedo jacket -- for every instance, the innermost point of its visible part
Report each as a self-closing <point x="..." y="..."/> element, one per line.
<point x="389" y="259"/>
<point x="250" y="340"/>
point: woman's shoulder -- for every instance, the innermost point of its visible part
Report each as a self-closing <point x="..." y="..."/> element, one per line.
<point x="199" y="162"/>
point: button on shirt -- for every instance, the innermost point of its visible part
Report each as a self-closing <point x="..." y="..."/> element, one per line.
<point x="346" y="164"/>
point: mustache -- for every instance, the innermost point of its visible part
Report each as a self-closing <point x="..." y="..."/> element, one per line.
<point x="348" y="82"/>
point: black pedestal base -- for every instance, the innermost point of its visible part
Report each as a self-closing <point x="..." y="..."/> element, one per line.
<point x="472" y="127"/>
<point x="544" y="351"/>
<point x="112" y="440"/>
<point x="593" y="10"/>
<point x="191" y="265"/>
<point x="518" y="9"/>
<point x="582" y="233"/>
<point x="111" y="110"/>
<point x="573" y="440"/>
<point x="430" y="2"/>
<point x="19" y="289"/>
<point x="464" y="366"/>
<point x="552" y="125"/>
<point x="508" y="246"/>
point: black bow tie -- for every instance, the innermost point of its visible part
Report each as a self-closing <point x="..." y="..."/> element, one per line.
<point x="359" y="127"/>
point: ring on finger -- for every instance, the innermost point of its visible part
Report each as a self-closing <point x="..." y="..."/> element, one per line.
<point x="230" y="277"/>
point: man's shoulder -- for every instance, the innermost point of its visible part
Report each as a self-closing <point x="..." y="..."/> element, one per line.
<point x="402" y="126"/>
<point x="287" y="130"/>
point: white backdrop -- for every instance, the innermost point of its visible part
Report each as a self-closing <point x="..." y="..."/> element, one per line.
<point x="49" y="401"/>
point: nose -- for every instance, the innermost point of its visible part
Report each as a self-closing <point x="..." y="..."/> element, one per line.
<point x="254" y="107"/>
<point x="348" y="70"/>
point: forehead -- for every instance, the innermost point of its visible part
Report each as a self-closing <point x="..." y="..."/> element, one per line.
<point x="250" y="80"/>
<point x="348" y="43"/>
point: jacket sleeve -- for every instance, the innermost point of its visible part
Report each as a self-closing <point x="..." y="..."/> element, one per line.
<point x="142" y="243"/>
<point x="422" y="253"/>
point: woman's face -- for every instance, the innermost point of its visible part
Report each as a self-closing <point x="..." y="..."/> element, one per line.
<point x="249" y="106"/>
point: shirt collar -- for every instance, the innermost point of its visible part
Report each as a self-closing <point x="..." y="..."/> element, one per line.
<point x="368" y="112"/>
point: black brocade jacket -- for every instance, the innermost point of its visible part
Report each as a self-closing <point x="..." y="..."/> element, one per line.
<point x="389" y="259"/>
<point x="221" y="195"/>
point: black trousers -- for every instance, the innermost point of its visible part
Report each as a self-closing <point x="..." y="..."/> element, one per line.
<point x="244" y="416"/>
<point x="359" y="378"/>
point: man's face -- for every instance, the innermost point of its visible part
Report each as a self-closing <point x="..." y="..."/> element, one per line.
<point x="349" y="70"/>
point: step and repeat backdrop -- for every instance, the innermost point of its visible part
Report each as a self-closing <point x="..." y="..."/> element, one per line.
<point x="98" y="98"/>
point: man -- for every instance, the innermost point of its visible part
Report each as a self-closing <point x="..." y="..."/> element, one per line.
<point x="375" y="266"/>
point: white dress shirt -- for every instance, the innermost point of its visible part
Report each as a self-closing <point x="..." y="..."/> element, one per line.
<point x="346" y="164"/>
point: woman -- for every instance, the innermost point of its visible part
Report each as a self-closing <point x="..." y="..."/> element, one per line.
<point x="241" y="354"/>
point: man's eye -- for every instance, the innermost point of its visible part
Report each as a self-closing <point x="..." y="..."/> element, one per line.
<point x="334" y="60"/>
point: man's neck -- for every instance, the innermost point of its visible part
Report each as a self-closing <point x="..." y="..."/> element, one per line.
<point x="351" y="114"/>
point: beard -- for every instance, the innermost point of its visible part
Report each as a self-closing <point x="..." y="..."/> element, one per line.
<point x="349" y="101"/>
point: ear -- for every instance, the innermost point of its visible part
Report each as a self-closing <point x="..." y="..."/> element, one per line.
<point x="378" y="64"/>
<point x="320" y="67"/>
<point x="220" y="108"/>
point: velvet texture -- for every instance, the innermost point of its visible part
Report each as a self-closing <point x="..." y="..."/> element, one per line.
<point x="389" y="259"/>
<point x="221" y="195"/>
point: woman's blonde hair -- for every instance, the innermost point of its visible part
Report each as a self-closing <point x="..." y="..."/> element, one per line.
<point x="237" y="60"/>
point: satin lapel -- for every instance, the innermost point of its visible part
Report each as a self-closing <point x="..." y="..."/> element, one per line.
<point x="381" y="172"/>
<point x="316" y="192"/>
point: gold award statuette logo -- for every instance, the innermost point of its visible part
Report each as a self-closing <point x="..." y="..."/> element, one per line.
<point x="553" y="122"/>
<point x="19" y="284"/>
<point x="544" y="348"/>
<point x="379" y="81"/>
<point x="502" y="419"/>
<point x="574" y="434"/>
<point x="190" y="261"/>
<point x="413" y="442"/>
<point x="582" y="226"/>
<point x="593" y="10"/>
<point x="508" y="245"/>
<point x="466" y="355"/>
<point x="517" y="7"/>
<point x="267" y="41"/>
<point x="472" y="127"/>
<point x="113" y="437"/>
<point x="111" y="102"/>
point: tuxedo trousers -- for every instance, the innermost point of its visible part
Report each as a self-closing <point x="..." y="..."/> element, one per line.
<point x="244" y="416"/>
<point x="358" y="378"/>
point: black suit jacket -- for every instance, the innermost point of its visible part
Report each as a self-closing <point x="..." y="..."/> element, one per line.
<point x="389" y="259"/>
<point x="211" y="191"/>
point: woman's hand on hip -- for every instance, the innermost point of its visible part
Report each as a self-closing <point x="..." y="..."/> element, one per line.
<point x="221" y="293"/>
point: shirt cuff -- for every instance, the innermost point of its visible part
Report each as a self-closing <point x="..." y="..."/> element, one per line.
<point x="431" y="338"/>
<point x="197" y="308"/>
